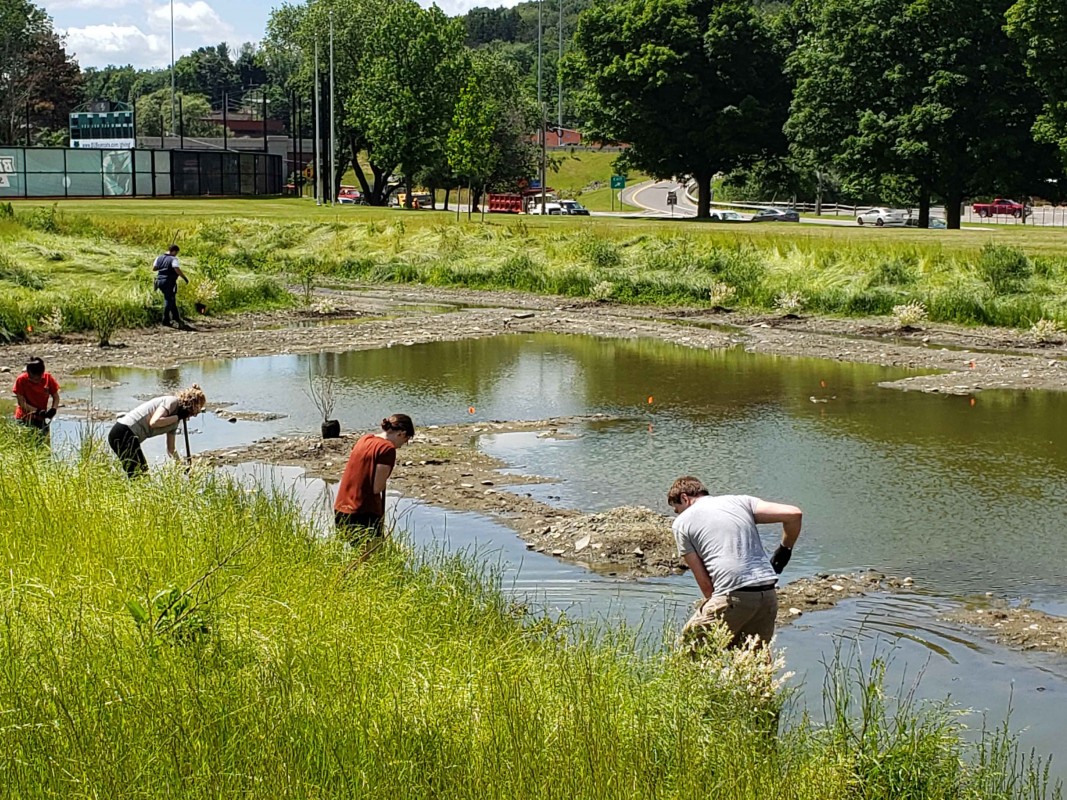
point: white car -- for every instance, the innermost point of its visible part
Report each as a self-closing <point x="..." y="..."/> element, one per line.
<point x="725" y="216"/>
<point x="552" y="208"/>
<point x="882" y="216"/>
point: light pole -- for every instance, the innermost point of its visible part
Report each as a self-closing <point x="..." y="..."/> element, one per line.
<point x="541" y="109"/>
<point x="333" y="126"/>
<point x="318" y="131"/>
<point x="172" y="64"/>
<point x="559" y="81"/>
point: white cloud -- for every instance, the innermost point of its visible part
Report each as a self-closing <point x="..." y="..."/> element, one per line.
<point x="100" y="45"/>
<point x="60" y="5"/>
<point x="197" y="17"/>
<point x="454" y="8"/>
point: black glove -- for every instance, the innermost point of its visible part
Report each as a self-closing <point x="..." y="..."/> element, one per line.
<point x="781" y="558"/>
<point x="49" y="413"/>
<point x="181" y="413"/>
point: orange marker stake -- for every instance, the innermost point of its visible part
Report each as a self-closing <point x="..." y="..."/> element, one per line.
<point x="470" y="410"/>
<point x="650" y="399"/>
<point x="822" y="384"/>
<point x="973" y="402"/>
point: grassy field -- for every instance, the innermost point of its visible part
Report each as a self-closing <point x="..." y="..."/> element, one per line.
<point x="81" y="255"/>
<point x="179" y="636"/>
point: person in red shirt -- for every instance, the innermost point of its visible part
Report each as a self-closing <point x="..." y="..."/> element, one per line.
<point x="359" y="510"/>
<point x="33" y="390"/>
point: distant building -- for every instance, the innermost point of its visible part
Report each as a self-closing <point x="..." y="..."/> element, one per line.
<point x="243" y="123"/>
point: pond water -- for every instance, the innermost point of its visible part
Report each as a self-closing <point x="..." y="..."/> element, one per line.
<point x="966" y="497"/>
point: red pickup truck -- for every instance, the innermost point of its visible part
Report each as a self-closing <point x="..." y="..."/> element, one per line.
<point x="1001" y="206"/>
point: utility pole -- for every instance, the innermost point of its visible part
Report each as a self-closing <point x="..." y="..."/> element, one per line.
<point x="541" y="107"/>
<point x="318" y="132"/>
<point x="172" y="65"/>
<point x="559" y="81"/>
<point x="333" y="125"/>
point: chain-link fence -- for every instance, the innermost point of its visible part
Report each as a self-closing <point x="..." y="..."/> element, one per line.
<point x="65" y="172"/>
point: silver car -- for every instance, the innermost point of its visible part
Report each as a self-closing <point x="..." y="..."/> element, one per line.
<point x="882" y="216"/>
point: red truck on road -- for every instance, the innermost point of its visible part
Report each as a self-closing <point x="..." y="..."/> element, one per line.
<point x="1001" y="206"/>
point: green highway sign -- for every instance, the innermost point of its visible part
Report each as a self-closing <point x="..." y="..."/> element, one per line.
<point x="618" y="181"/>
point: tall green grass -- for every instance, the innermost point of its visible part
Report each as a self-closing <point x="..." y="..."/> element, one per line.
<point x="179" y="636"/>
<point x="244" y="261"/>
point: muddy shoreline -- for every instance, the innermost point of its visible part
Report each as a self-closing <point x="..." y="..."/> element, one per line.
<point x="444" y="465"/>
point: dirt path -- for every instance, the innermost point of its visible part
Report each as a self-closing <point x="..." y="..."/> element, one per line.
<point x="444" y="465"/>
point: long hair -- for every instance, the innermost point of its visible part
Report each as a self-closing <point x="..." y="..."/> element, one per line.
<point x="192" y="400"/>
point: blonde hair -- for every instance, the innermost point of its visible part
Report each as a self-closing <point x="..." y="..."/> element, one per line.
<point x="192" y="400"/>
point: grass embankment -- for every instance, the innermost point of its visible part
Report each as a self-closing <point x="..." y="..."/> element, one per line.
<point x="180" y="637"/>
<point x="96" y="254"/>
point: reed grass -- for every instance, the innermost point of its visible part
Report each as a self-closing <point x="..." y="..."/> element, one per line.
<point x="181" y="636"/>
<point x="1011" y="277"/>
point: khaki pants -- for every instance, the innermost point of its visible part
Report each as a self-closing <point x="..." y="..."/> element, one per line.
<point x="744" y="614"/>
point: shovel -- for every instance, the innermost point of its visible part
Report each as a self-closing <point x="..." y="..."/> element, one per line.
<point x="188" y="455"/>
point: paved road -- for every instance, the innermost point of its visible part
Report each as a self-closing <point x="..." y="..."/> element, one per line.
<point x="651" y="198"/>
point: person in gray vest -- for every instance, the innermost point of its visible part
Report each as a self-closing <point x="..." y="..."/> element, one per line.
<point x="160" y="415"/>
<point x="718" y="539"/>
<point x="167" y="273"/>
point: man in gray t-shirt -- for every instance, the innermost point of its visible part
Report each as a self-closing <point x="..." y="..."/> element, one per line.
<point x="718" y="539"/>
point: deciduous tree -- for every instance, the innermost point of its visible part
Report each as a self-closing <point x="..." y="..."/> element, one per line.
<point x="1040" y="27"/>
<point x="916" y="98"/>
<point x="694" y="87"/>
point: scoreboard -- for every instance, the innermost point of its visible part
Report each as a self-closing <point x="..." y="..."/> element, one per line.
<point x="103" y="125"/>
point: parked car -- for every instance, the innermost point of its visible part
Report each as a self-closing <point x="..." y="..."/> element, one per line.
<point x="882" y="216"/>
<point x="1001" y="206"/>
<point x="573" y="207"/>
<point x="552" y="208"/>
<point x="348" y="195"/>
<point x="776" y="215"/>
<point x="935" y="222"/>
<point x="720" y="215"/>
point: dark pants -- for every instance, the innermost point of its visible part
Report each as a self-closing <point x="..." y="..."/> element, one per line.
<point x="170" y="301"/>
<point x="357" y="527"/>
<point x="38" y="424"/>
<point x="128" y="449"/>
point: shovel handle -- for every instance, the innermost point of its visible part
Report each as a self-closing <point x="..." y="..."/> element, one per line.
<point x="188" y="455"/>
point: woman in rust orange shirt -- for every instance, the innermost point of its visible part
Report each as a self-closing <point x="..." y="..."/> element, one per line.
<point x="360" y="503"/>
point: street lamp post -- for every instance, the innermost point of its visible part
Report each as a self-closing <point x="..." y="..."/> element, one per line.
<point x="541" y="110"/>
<point x="318" y="132"/>
<point x="172" y="65"/>
<point x="333" y="125"/>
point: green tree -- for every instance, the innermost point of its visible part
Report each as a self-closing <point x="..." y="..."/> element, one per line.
<point x="109" y="83"/>
<point x="292" y="33"/>
<point x="154" y="110"/>
<point x="694" y="87"/>
<point x="39" y="82"/>
<point x="1040" y="27"/>
<point x="409" y="86"/>
<point x="208" y="71"/>
<point x="932" y="100"/>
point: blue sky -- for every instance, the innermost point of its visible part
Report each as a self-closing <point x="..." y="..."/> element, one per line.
<point x="102" y="32"/>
